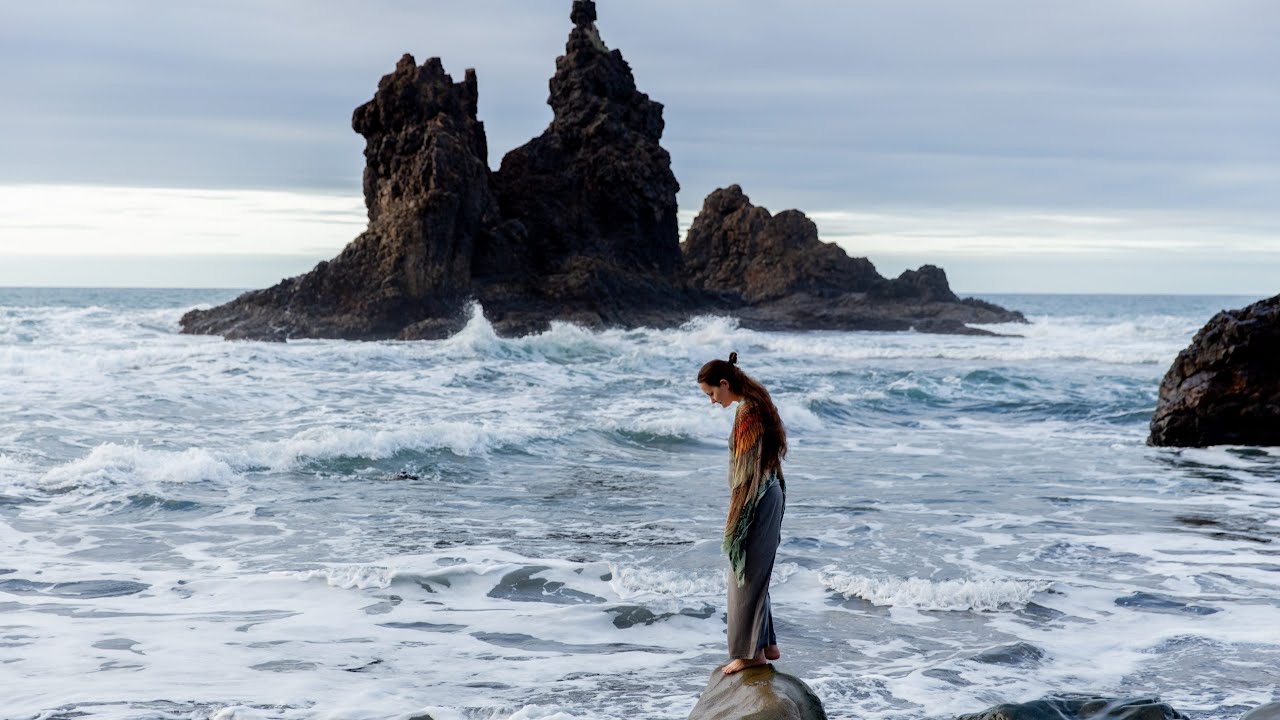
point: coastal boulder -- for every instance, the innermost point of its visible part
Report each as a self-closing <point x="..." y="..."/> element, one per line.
<point x="1084" y="708"/>
<point x="1224" y="388"/>
<point x="758" y="693"/>
<point x="431" y="216"/>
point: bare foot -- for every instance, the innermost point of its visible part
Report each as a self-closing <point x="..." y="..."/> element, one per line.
<point x="742" y="663"/>
<point x="772" y="652"/>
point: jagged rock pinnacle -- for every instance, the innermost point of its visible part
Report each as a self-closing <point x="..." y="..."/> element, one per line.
<point x="584" y="13"/>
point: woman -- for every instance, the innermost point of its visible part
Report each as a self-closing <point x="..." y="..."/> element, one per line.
<point x="757" y="495"/>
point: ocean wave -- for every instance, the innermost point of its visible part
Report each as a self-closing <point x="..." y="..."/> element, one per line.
<point x="347" y="577"/>
<point x="465" y="439"/>
<point x="111" y="464"/>
<point x="10" y="465"/>
<point x="239" y="712"/>
<point x="526" y="712"/>
<point x="636" y="583"/>
<point x="921" y="594"/>
<point x="562" y="342"/>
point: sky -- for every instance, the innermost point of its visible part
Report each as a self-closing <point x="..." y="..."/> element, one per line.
<point x="1092" y="146"/>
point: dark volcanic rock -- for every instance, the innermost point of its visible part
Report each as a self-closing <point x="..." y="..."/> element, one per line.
<point x="431" y="216"/>
<point x="595" y="191"/>
<point x="929" y="284"/>
<point x="1070" y="707"/>
<point x="735" y="247"/>
<point x="759" y="693"/>
<point x="1224" y="389"/>
<point x="579" y="225"/>
<point x="787" y="278"/>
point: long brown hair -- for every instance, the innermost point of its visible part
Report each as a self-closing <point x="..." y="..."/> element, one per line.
<point x="775" y="433"/>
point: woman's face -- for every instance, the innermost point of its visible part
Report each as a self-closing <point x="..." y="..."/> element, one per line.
<point x="719" y="394"/>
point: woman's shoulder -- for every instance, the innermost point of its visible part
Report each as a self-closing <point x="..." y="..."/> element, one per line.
<point x="747" y="424"/>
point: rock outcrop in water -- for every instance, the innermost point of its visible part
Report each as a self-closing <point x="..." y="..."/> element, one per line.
<point x="595" y="192"/>
<point x="579" y="224"/>
<point x="776" y="274"/>
<point x="759" y="693"/>
<point x="1224" y="389"/>
<point x="1084" y="708"/>
<point x="431" y="216"/>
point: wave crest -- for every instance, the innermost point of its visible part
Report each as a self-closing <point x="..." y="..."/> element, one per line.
<point x="921" y="594"/>
<point x="112" y="464"/>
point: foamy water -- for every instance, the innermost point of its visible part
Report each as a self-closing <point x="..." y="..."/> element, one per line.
<point x="509" y="529"/>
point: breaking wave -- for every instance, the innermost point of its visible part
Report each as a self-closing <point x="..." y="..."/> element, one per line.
<point x="921" y="594"/>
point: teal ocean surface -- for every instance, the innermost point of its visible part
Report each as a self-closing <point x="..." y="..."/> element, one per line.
<point x="515" y="529"/>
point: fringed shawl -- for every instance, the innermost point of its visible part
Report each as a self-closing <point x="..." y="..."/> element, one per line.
<point x="748" y="481"/>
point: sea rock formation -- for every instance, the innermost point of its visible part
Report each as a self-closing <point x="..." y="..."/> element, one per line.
<point x="431" y="215"/>
<point x="579" y="224"/>
<point x="1069" y="707"/>
<point x="596" y="197"/>
<point x="1224" y="388"/>
<point x="775" y="273"/>
<point x="759" y="693"/>
<point x="737" y="248"/>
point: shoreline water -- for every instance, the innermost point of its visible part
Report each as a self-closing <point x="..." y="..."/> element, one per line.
<point x="320" y="522"/>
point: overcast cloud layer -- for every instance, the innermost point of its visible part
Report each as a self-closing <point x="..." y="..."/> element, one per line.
<point x="1157" y="116"/>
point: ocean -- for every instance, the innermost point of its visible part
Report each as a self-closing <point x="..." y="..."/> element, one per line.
<point x="520" y="529"/>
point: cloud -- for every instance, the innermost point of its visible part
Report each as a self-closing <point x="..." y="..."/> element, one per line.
<point x="70" y="220"/>
<point x="1149" y="111"/>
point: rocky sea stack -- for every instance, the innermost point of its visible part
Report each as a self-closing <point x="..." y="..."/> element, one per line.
<point x="1224" y="389"/>
<point x="579" y="224"/>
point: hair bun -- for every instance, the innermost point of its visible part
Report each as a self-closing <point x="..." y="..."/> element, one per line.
<point x="733" y="358"/>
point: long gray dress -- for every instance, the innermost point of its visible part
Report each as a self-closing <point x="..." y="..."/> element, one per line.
<point x="750" y="614"/>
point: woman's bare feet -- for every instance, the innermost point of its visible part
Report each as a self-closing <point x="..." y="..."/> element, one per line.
<point x="772" y="652"/>
<point x="744" y="663"/>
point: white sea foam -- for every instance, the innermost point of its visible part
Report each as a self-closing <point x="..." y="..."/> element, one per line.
<point x="639" y="583"/>
<point x="460" y="438"/>
<point x="348" y="577"/>
<point x="239" y="712"/>
<point x="111" y="464"/>
<point x="338" y="594"/>
<point x="922" y="594"/>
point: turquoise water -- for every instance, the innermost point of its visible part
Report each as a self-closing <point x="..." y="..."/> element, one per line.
<point x="527" y="528"/>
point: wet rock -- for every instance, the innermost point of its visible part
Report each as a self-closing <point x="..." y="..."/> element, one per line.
<point x="1071" y="707"/>
<point x="758" y="693"/>
<point x="1270" y="711"/>
<point x="1017" y="654"/>
<point x="1224" y="388"/>
<point x="950" y="676"/>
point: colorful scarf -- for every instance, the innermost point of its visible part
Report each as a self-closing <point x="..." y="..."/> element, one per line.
<point x="747" y="484"/>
